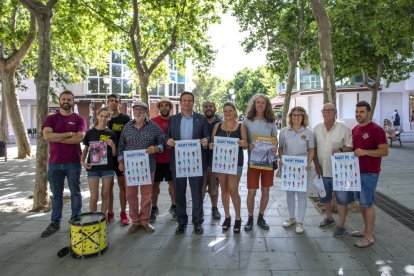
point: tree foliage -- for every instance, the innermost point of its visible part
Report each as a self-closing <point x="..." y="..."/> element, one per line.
<point x="283" y="28"/>
<point x="247" y="82"/>
<point x="373" y="39"/>
<point x="210" y="88"/>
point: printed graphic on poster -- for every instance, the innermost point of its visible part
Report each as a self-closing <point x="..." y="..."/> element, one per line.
<point x="294" y="175"/>
<point x="137" y="168"/>
<point x="261" y="156"/>
<point x="98" y="153"/>
<point x="225" y="155"/>
<point x="345" y="172"/>
<point x="188" y="158"/>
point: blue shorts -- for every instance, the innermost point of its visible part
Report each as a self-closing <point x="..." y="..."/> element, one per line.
<point x="342" y="197"/>
<point x="100" y="174"/>
<point x="366" y="197"/>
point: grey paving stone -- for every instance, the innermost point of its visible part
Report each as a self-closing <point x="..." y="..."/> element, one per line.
<point x="227" y="272"/>
<point x="328" y="261"/>
<point x="268" y="261"/>
<point x="312" y="232"/>
<point x="195" y="243"/>
<point x="329" y="245"/>
<point x="151" y="258"/>
<point x="292" y="245"/>
<point x="49" y="269"/>
<point x="175" y="271"/>
<point x="8" y="251"/>
<point x="238" y="243"/>
<point x="12" y="268"/>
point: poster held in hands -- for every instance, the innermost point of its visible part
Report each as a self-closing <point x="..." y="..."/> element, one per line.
<point x="188" y="158"/>
<point x="137" y="169"/>
<point x="261" y="156"/>
<point x="345" y="172"/>
<point x="294" y="175"/>
<point x="225" y="155"/>
<point x="98" y="153"/>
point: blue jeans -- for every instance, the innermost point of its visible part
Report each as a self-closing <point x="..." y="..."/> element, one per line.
<point x="369" y="183"/>
<point x="56" y="176"/>
<point x="342" y="197"/>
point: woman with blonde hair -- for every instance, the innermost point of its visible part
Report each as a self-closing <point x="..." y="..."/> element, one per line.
<point x="296" y="140"/>
<point x="229" y="183"/>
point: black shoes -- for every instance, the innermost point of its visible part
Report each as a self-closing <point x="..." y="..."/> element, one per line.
<point x="226" y="224"/>
<point x="51" y="229"/>
<point x="237" y="226"/>
<point x="180" y="229"/>
<point x="154" y="214"/>
<point x="249" y="224"/>
<point x="326" y="223"/>
<point x="198" y="229"/>
<point x="215" y="214"/>
<point x="262" y="223"/>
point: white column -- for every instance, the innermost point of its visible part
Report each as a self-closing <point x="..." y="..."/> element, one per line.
<point x="405" y="110"/>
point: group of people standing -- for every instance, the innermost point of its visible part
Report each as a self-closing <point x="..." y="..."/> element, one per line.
<point x="65" y="130"/>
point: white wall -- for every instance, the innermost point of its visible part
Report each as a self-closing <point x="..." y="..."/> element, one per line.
<point x="314" y="110"/>
<point x="389" y="102"/>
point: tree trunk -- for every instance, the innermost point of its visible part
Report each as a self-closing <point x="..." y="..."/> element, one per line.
<point x="44" y="65"/>
<point x="143" y="84"/>
<point x="289" y="87"/>
<point x="325" y="50"/>
<point x="15" y="115"/>
<point x="4" y="127"/>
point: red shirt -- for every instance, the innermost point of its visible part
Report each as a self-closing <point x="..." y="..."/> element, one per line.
<point x="368" y="138"/>
<point x="163" y="157"/>
<point x="61" y="153"/>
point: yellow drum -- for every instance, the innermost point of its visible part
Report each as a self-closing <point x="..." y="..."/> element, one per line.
<point x="88" y="235"/>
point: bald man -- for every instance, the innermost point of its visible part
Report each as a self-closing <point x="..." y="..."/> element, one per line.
<point x="332" y="136"/>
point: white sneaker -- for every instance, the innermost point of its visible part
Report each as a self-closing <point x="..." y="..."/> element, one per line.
<point x="299" y="228"/>
<point x="289" y="222"/>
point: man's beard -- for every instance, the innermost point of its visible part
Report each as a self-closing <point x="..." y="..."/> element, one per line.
<point x="209" y="114"/>
<point x="165" y="113"/>
<point x="65" y="106"/>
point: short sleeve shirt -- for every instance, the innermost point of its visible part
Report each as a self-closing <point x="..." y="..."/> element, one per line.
<point x="96" y="135"/>
<point x="61" y="153"/>
<point x="133" y="138"/>
<point x="368" y="137"/>
<point x="326" y="141"/>
<point x="163" y="157"/>
<point x="296" y="143"/>
<point x="259" y="127"/>
<point x="116" y="124"/>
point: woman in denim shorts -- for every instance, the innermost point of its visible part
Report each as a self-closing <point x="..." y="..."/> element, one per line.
<point x="100" y="148"/>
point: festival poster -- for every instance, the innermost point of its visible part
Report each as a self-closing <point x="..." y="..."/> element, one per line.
<point x="137" y="168"/>
<point x="345" y="172"/>
<point x="225" y="155"/>
<point x="98" y="153"/>
<point x="188" y="158"/>
<point x="294" y="175"/>
<point x="261" y="156"/>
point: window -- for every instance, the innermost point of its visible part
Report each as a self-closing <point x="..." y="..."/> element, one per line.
<point x="119" y="73"/>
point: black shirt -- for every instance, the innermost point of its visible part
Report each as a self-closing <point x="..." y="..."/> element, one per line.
<point x="232" y="134"/>
<point x="95" y="135"/>
<point x="117" y="124"/>
<point x="209" y="152"/>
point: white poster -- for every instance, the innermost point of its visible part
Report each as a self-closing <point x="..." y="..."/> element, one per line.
<point x="188" y="158"/>
<point x="345" y="172"/>
<point x="137" y="168"/>
<point x="294" y="175"/>
<point x="225" y="155"/>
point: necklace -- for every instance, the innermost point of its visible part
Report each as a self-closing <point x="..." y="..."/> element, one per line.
<point x="228" y="133"/>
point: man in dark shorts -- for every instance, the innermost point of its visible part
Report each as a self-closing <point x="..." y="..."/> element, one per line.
<point x="162" y="169"/>
<point x="117" y="122"/>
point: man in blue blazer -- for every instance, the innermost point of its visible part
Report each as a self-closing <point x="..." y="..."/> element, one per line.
<point x="187" y="125"/>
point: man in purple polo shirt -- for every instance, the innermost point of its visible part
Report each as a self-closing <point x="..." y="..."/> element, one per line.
<point x="64" y="131"/>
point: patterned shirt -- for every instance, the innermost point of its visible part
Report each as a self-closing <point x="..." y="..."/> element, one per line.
<point x="133" y="138"/>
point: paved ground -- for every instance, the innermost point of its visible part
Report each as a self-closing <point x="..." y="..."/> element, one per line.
<point x="274" y="252"/>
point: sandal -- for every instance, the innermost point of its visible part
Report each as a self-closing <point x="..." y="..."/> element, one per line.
<point x="357" y="234"/>
<point x="364" y="242"/>
<point x="237" y="226"/>
<point x="226" y="224"/>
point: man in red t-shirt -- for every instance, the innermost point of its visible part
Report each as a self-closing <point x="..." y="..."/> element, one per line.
<point x="370" y="144"/>
<point x="162" y="170"/>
